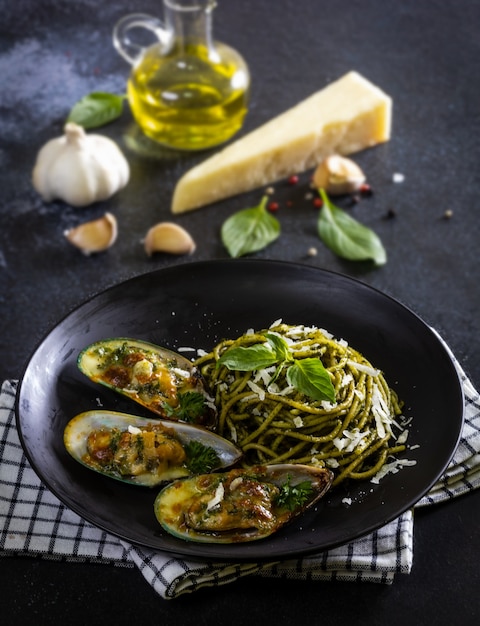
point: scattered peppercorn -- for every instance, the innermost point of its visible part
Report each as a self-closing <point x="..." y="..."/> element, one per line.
<point x="317" y="203"/>
<point x="293" y="180"/>
<point x="269" y="190"/>
<point x="366" y="190"/>
<point x="312" y="251"/>
<point x="448" y="214"/>
<point x="390" y="214"/>
<point x="354" y="200"/>
<point x="273" y="206"/>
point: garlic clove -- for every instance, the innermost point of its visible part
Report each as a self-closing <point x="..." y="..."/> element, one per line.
<point x="338" y="175"/>
<point x="170" y="238"/>
<point x="95" y="236"/>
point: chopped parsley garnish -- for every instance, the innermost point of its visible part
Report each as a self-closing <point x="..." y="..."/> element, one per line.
<point x="292" y="497"/>
<point x="191" y="405"/>
<point x="200" y="459"/>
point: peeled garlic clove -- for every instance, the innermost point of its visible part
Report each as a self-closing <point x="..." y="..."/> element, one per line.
<point x="95" y="236"/>
<point x="170" y="238"/>
<point x="338" y="175"/>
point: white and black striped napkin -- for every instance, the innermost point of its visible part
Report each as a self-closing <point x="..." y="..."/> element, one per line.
<point x="33" y="522"/>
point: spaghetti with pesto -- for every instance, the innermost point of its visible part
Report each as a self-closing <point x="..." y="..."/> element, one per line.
<point x="295" y="394"/>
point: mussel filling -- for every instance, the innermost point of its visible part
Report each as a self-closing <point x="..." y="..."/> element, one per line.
<point x="235" y="501"/>
<point x="154" y="379"/>
<point x="134" y="452"/>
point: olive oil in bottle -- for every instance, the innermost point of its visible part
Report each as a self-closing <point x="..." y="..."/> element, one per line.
<point x="187" y="91"/>
<point x="186" y="99"/>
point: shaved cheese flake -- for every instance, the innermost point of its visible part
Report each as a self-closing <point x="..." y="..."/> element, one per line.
<point x="236" y="482"/>
<point x="233" y="433"/>
<point x="346" y="380"/>
<point x="251" y="396"/>
<point x="327" y="406"/>
<point x="333" y="463"/>
<point x="391" y="468"/>
<point x="217" y="498"/>
<point x="380" y="413"/>
<point x="351" y="440"/>
<point x="257" y="390"/>
<point x="275" y="390"/>
<point x="210" y="402"/>
<point x="361" y="367"/>
<point x="264" y="374"/>
<point x="133" y="430"/>
<point x="402" y="438"/>
<point x="326" y="333"/>
<point x="298" y="422"/>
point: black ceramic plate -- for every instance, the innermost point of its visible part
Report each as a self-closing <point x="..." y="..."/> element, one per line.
<point x="197" y="304"/>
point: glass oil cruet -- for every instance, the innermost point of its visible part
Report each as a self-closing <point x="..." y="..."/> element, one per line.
<point x="185" y="90"/>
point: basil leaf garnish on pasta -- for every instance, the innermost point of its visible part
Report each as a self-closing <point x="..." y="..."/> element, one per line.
<point x="248" y="359"/>
<point x="311" y="378"/>
<point x="308" y="376"/>
<point x="280" y="346"/>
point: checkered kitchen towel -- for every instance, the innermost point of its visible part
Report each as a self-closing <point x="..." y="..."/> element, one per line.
<point x="34" y="522"/>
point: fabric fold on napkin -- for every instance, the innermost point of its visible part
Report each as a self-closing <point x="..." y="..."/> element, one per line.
<point x="34" y="522"/>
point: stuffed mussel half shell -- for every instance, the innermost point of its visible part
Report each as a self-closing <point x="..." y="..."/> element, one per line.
<point x="239" y="505"/>
<point x="157" y="378"/>
<point x="145" y="452"/>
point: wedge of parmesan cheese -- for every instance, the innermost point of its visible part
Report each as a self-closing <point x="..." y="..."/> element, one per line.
<point x="345" y="117"/>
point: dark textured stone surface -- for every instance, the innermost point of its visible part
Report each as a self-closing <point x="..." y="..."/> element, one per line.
<point x="425" y="55"/>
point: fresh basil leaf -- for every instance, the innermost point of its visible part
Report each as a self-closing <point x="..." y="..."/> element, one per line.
<point x="250" y="230"/>
<point x="96" y="109"/>
<point x="311" y="378"/>
<point x="347" y="237"/>
<point x="280" y="346"/>
<point x="247" y="359"/>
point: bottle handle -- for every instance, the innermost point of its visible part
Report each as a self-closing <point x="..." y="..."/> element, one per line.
<point x="132" y="51"/>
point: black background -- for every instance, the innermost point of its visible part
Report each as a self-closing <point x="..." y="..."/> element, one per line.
<point x="425" y="55"/>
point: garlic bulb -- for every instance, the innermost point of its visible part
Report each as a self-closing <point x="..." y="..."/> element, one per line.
<point x="95" y="236"/>
<point x="79" y="169"/>
<point x="170" y="238"/>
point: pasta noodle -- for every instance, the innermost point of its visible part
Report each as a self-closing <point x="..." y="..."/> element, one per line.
<point x="274" y="422"/>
